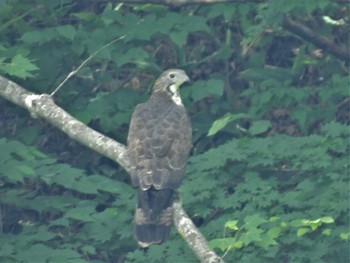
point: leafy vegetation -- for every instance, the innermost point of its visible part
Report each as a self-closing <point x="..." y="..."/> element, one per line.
<point x="268" y="177"/>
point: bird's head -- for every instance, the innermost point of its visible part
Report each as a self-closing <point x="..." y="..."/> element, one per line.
<point x="170" y="81"/>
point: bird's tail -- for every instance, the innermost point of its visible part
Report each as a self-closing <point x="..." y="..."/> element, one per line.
<point x="153" y="216"/>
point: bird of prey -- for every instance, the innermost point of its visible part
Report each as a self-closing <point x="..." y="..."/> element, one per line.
<point x="159" y="143"/>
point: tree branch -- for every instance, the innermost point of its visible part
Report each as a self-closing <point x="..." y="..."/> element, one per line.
<point x="186" y="2"/>
<point x="316" y="39"/>
<point x="43" y="106"/>
<point x="193" y="237"/>
<point x="193" y="2"/>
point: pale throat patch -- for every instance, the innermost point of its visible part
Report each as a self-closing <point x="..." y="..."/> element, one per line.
<point x="175" y="96"/>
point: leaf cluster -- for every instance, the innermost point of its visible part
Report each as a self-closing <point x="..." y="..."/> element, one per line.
<point x="58" y="210"/>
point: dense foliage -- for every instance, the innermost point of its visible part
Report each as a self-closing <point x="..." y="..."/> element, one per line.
<point x="268" y="180"/>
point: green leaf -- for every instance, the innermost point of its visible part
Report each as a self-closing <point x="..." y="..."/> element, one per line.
<point x="327" y="219"/>
<point x="254" y="220"/>
<point x="62" y="174"/>
<point x="335" y="129"/>
<point x="42" y="234"/>
<point x="221" y="123"/>
<point x="345" y="236"/>
<point x="36" y="253"/>
<point x="60" y="222"/>
<point x="232" y="225"/>
<point x="259" y="127"/>
<point x="253" y="233"/>
<point x="32" y="37"/>
<point x="268" y="239"/>
<point x="314" y="224"/>
<point x="179" y="37"/>
<point x="11" y="173"/>
<point x="251" y="236"/>
<point x="205" y="89"/>
<point x="84" y="185"/>
<point x="26" y="170"/>
<point x="65" y="255"/>
<point x="273" y="218"/>
<point x="225" y="243"/>
<point x="302" y="231"/>
<point x="6" y="250"/>
<point x="20" y="67"/>
<point x="136" y="54"/>
<point x="327" y="232"/>
<point x="67" y="31"/>
<point x="279" y="74"/>
<point x="81" y="214"/>
<point x="300" y="115"/>
<point x="89" y="249"/>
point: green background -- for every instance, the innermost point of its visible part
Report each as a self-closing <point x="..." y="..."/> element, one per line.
<point x="268" y="176"/>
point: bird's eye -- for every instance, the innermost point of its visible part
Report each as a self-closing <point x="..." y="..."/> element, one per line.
<point x="172" y="75"/>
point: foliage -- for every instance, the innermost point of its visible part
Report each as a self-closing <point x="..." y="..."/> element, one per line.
<point x="269" y="174"/>
<point x="58" y="210"/>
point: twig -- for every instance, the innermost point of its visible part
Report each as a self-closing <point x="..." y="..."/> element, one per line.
<point x="71" y="74"/>
<point x="235" y="238"/>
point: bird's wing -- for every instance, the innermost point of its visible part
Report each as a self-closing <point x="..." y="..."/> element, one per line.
<point x="176" y="129"/>
<point x="158" y="147"/>
<point x="138" y="133"/>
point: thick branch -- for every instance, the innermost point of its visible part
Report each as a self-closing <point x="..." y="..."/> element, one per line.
<point x="316" y="39"/>
<point x="193" y="237"/>
<point x="43" y="106"/>
<point x="193" y="2"/>
<point x="186" y="2"/>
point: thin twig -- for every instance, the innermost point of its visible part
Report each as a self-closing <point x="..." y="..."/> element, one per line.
<point x="71" y="74"/>
<point x="235" y="238"/>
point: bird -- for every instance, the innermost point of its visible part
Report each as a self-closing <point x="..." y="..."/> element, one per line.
<point x="158" y="146"/>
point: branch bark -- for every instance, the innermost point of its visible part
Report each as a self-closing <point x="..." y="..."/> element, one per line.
<point x="193" y="237"/>
<point x="186" y="2"/>
<point x="318" y="40"/>
<point x="194" y="2"/>
<point x="43" y="106"/>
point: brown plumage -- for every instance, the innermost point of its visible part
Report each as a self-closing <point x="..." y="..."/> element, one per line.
<point x="159" y="142"/>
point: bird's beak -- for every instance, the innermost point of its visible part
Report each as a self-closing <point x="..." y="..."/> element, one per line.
<point x="185" y="79"/>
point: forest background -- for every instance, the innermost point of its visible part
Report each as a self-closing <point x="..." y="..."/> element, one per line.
<point x="268" y="176"/>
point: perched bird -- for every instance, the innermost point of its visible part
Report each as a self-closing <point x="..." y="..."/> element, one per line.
<point x="159" y="143"/>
